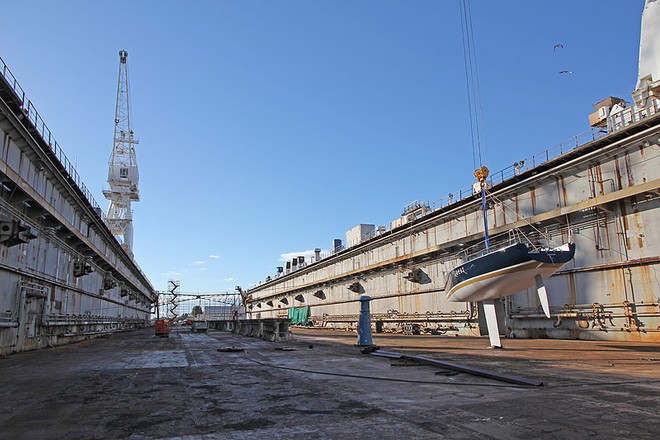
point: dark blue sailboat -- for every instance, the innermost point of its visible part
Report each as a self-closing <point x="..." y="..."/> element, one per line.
<point x="504" y="272"/>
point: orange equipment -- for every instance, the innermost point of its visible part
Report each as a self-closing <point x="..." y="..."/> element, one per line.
<point x="162" y="328"/>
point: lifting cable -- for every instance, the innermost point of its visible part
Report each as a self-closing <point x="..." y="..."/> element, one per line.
<point x="472" y="83"/>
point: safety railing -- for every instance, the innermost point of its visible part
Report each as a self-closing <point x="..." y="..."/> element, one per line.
<point x="630" y="115"/>
<point x="523" y="165"/>
<point x="30" y="112"/>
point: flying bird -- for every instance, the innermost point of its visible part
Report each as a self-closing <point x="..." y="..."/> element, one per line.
<point x="564" y="72"/>
<point x="557" y="46"/>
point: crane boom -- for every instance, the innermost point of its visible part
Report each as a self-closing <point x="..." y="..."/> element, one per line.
<point x="122" y="168"/>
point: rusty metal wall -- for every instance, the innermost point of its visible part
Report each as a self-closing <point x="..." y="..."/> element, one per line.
<point x="45" y="299"/>
<point x="604" y="195"/>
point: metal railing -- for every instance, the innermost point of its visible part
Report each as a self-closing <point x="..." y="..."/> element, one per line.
<point x="630" y="115"/>
<point x="60" y="319"/>
<point x="30" y="112"/>
<point x="523" y="165"/>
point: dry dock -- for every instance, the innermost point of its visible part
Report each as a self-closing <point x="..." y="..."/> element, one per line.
<point x="135" y="385"/>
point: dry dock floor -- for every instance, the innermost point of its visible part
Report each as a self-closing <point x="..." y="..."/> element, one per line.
<point x="139" y="386"/>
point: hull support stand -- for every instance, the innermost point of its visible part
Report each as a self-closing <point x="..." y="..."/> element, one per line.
<point x="491" y="323"/>
<point x="543" y="295"/>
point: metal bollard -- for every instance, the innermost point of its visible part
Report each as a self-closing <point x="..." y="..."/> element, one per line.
<point x="364" y="322"/>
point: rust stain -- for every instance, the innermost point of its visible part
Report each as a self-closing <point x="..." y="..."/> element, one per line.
<point x="532" y="193"/>
<point x="563" y="201"/>
<point x="417" y="305"/>
<point x="629" y="167"/>
<point x="617" y="173"/>
<point x="592" y="189"/>
<point x="515" y="199"/>
<point x="613" y="281"/>
<point x="639" y="226"/>
<point x="624" y="219"/>
<point x="646" y="283"/>
<point x="599" y="179"/>
<point x="572" y="289"/>
<point x="494" y="215"/>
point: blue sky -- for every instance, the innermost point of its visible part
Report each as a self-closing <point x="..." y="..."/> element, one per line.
<point x="272" y="127"/>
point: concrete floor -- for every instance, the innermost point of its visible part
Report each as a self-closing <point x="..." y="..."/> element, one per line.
<point x="138" y="386"/>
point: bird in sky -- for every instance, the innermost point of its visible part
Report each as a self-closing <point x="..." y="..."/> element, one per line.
<point x="557" y="46"/>
<point x="565" y="72"/>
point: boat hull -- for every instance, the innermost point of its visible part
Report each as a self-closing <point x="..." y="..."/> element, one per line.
<point x="505" y="272"/>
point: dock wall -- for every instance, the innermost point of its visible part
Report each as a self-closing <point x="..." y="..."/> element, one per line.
<point x="268" y="329"/>
<point x="63" y="275"/>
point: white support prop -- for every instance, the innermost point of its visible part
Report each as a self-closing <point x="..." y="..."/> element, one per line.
<point x="491" y="323"/>
<point x="543" y="295"/>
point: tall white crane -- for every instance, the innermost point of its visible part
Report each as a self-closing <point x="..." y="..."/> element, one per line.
<point x="123" y="168"/>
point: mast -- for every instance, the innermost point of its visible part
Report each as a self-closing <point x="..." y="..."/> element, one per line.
<point x="122" y="167"/>
<point x="481" y="174"/>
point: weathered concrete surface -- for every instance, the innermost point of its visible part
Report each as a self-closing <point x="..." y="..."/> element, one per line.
<point x="135" y="385"/>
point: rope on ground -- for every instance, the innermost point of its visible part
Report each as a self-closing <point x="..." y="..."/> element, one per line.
<point x="386" y="379"/>
<point x="427" y="382"/>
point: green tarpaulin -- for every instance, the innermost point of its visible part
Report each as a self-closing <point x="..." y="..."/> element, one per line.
<point x="299" y="315"/>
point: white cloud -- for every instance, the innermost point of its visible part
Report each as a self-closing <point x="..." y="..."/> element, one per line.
<point x="228" y="279"/>
<point x="198" y="263"/>
<point x="214" y="256"/>
<point x="203" y="268"/>
<point x="171" y="273"/>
